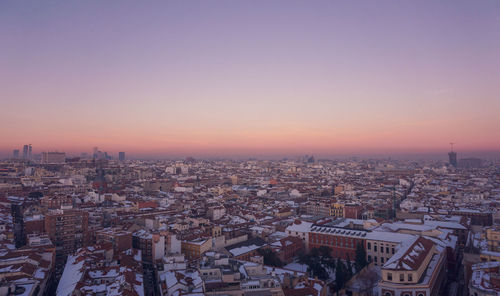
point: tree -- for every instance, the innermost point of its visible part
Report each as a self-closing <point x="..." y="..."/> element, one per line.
<point x="340" y="275"/>
<point x="319" y="271"/>
<point x="325" y="252"/>
<point x="270" y="257"/>
<point x="314" y="252"/>
<point x="348" y="267"/>
<point x="360" y="260"/>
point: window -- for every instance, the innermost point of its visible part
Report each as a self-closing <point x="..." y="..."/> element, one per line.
<point x="375" y="248"/>
<point x="381" y="249"/>
<point x="369" y="246"/>
<point x="387" y="250"/>
<point x="369" y="258"/>
<point x="381" y="259"/>
<point x="392" y="250"/>
<point x="420" y="294"/>
<point x="375" y="259"/>
<point x="388" y="294"/>
<point x="389" y="276"/>
<point x="402" y="277"/>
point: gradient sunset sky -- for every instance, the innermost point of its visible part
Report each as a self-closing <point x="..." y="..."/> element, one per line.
<point x="225" y="78"/>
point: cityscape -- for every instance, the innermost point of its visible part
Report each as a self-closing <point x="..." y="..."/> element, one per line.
<point x="249" y="148"/>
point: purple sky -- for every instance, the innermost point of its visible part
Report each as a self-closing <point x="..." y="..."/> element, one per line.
<point x="250" y="77"/>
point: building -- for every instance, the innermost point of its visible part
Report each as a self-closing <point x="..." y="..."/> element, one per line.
<point x="121" y="156"/>
<point x="96" y="270"/>
<point x="452" y="158"/>
<point x="485" y="279"/>
<point x="152" y="245"/>
<point x="301" y="230"/>
<point x="337" y="210"/>
<point x="418" y="269"/>
<point x="25" y="152"/>
<point x="53" y="157"/>
<point x="342" y="242"/>
<point x="193" y="249"/>
<point x="15" y="154"/>
<point x="216" y="213"/>
<point x="381" y="246"/>
<point x="287" y="248"/>
<point x="470" y="163"/>
<point x="246" y="249"/>
<point x="68" y="230"/>
<point x="121" y="240"/>
<point x="353" y="211"/>
<point x="26" y="271"/>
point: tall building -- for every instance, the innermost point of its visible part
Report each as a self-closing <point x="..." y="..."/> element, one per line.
<point x="121" y="156"/>
<point x="25" y="152"/>
<point x="53" y="157"/>
<point x="29" y="152"/>
<point x="68" y="230"/>
<point x="15" y="153"/>
<point x="452" y="156"/>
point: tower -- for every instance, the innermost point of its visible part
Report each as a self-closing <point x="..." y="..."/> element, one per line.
<point x="452" y="156"/>
<point x="121" y="156"/>
<point x="25" y="152"/>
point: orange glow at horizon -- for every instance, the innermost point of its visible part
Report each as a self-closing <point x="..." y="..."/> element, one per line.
<point x="246" y="78"/>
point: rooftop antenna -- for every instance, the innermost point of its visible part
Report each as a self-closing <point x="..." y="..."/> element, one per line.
<point x="451" y="145"/>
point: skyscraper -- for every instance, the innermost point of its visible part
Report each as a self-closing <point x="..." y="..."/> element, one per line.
<point x="121" y="156"/>
<point x="15" y="153"/>
<point x="25" y="152"/>
<point x="452" y="156"/>
<point x="29" y="152"/>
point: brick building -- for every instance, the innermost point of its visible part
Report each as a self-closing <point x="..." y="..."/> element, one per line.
<point x="68" y="231"/>
<point x="341" y="241"/>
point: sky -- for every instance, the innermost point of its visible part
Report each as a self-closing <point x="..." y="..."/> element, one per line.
<point x="248" y="78"/>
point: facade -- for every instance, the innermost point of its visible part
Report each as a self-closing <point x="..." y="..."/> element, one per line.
<point x="287" y="248"/>
<point x="337" y="210"/>
<point x="68" y="230"/>
<point x="121" y="156"/>
<point x="452" y="158"/>
<point x="353" y="211"/>
<point x="381" y="246"/>
<point x="195" y="248"/>
<point x="301" y="230"/>
<point x="415" y="270"/>
<point x="152" y="245"/>
<point x="120" y="240"/>
<point x="25" y="152"/>
<point x="342" y="242"/>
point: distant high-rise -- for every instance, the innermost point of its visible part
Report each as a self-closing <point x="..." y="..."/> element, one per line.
<point x="121" y="156"/>
<point x="29" y="152"/>
<point x="53" y="157"/>
<point x="25" y="152"/>
<point x="452" y="156"/>
<point x="15" y="153"/>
